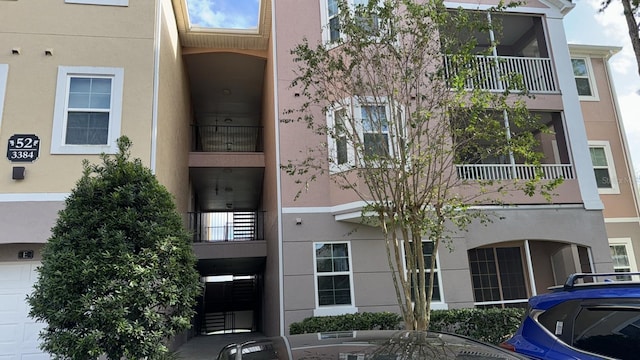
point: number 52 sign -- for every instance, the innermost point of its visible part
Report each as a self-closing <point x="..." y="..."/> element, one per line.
<point x="23" y="148"/>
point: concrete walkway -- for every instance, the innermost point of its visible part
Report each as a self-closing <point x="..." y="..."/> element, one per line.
<point x="207" y="347"/>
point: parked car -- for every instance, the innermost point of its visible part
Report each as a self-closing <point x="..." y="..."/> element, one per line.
<point x="370" y="345"/>
<point x="592" y="316"/>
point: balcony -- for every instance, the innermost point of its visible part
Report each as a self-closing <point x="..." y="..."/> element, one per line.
<point x="227" y="226"/>
<point x="225" y="138"/>
<point x="492" y="73"/>
<point x="489" y="172"/>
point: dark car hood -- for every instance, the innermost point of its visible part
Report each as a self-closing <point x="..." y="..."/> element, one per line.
<point x="365" y="345"/>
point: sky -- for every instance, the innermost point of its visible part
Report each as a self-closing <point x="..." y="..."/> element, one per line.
<point x="228" y="14"/>
<point x="585" y="25"/>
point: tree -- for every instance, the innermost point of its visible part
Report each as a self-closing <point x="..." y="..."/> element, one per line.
<point x="118" y="273"/>
<point x="630" y="11"/>
<point x="399" y="116"/>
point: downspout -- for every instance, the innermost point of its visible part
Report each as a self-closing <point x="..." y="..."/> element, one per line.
<point x="156" y="79"/>
<point x="278" y="173"/>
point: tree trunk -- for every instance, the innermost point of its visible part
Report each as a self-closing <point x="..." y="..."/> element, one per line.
<point x="632" y="24"/>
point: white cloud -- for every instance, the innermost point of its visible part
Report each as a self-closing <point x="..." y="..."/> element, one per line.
<point x="229" y="14"/>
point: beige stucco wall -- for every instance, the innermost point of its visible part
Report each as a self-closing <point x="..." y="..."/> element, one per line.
<point x="78" y="35"/>
<point x="272" y="311"/>
<point x="173" y="141"/>
<point x="28" y="221"/>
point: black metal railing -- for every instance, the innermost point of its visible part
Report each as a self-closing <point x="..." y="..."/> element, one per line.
<point x="227" y="226"/>
<point x="223" y="138"/>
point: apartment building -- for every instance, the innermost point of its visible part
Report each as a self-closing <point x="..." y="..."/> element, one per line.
<point x="609" y="151"/>
<point x="202" y="107"/>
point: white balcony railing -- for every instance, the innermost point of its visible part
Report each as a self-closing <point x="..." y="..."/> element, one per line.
<point x="515" y="171"/>
<point x="492" y="73"/>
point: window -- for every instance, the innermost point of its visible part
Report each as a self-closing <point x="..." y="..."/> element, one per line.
<point x="622" y="256"/>
<point x="4" y="72"/>
<point x="375" y="130"/>
<point x="334" y="287"/>
<point x="99" y="2"/>
<point x="87" y="111"/>
<point x="603" y="168"/>
<point x="497" y="276"/>
<point x="342" y="155"/>
<point x="331" y="18"/>
<point x="372" y="122"/>
<point x="427" y="254"/>
<point x="585" y="83"/>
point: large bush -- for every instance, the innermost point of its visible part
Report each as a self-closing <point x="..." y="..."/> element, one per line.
<point x="118" y="274"/>
<point x="487" y="325"/>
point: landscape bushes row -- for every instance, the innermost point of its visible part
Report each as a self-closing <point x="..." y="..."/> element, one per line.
<point x="488" y="325"/>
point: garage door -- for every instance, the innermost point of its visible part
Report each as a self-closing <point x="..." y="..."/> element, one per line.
<point x="18" y="332"/>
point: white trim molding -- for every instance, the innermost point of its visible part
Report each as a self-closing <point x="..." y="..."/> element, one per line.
<point x="99" y="2"/>
<point x="35" y="197"/>
<point x="4" y="74"/>
<point x="622" y="220"/>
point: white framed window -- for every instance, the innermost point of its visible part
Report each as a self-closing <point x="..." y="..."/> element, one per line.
<point x="330" y="13"/>
<point x="4" y="74"/>
<point x="603" y="167"/>
<point x="88" y="110"/>
<point x="99" y="2"/>
<point x="623" y="257"/>
<point x="333" y="277"/>
<point x="373" y="122"/>
<point x="437" y="299"/>
<point x="585" y="81"/>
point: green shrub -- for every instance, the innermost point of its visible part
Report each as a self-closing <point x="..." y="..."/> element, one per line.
<point x="357" y="321"/>
<point x="487" y="325"/>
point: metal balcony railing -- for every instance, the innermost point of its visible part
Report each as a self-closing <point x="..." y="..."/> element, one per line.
<point x="223" y="138"/>
<point x="514" y="171"/>
<point x="227" y="226"/>
<point x="490" y="73"/>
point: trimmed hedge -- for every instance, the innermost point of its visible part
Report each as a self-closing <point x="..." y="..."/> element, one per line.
<point x="487" y="325"/>
<point x="357" y="321"/>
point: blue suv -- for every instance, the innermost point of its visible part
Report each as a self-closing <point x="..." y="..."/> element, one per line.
<point x="584" y="319"/>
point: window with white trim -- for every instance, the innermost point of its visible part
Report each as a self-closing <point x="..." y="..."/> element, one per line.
<point x="88" y="110"/>
<point x="427" y="254"/>
<point x="372" y="123"/>
<point x="624" y="260"/>
<point x="333" y="274"/>
<point x="99" y="2"/>
<point x="330" y="12"/>
<point x="603" y="167"/>
<point x="4" y="74"/>
<point x="585" y="82"/>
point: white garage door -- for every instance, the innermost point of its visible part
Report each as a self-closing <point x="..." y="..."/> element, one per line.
<point x="18" y="332"/>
